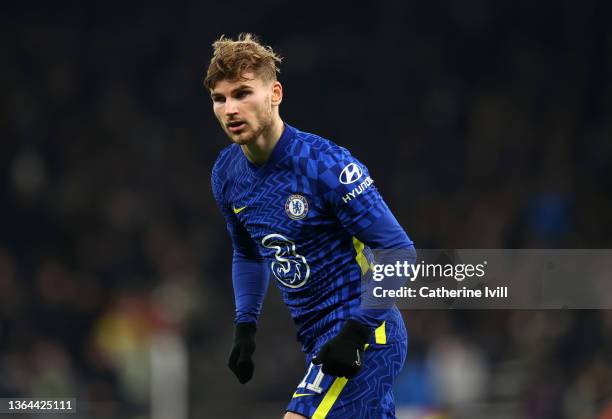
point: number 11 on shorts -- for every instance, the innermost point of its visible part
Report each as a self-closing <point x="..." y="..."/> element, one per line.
<point x="315" y="384"/>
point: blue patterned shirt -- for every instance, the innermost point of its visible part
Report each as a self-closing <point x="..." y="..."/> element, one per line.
<point x="297" y="219"/>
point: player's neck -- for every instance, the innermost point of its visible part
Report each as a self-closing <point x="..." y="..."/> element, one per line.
<point x="259" y="151"/>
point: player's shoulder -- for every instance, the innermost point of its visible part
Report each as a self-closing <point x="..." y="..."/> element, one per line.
<point x="225" y="162"/>
<point x="224" y="169"/>
<point x="318" y="148"/>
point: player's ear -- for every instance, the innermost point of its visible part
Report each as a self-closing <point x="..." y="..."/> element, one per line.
<point x="277" y="93"/>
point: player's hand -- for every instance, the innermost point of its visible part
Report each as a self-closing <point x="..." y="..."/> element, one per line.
<point x="341" y="356"/>
<point x="240" y="361"/>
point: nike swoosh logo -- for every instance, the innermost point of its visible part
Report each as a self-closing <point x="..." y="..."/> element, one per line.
<point x="358" y="361"/>
<point x="237" y="210"/>
<point x="300" y="395"/>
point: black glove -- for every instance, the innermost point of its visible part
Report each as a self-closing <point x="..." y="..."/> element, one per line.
<point x="341" y="355"/>
<point x="240" y="361"/>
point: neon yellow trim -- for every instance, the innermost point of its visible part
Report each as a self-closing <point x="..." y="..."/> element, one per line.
<point x="330" y="398"/>
<point x="360" y="257"/>
<point x="296" y="394"/>
<point x="334" y="390"/>
<point x="237" y="210"/>
<point x="381" y="334"/>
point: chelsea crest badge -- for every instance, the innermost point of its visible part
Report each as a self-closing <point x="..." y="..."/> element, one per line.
<point x="296" y="207"/>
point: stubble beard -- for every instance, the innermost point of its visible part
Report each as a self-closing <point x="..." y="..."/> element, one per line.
<point x="265" y="124"/>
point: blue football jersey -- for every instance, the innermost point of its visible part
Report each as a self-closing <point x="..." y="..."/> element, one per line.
<point x="301" y="212"/>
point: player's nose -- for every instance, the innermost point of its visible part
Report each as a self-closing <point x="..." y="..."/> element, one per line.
<point x="231" y="107"/>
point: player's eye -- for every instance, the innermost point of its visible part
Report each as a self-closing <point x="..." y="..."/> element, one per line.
<point x="242" y="93"/>
<point x="218" y="99"/>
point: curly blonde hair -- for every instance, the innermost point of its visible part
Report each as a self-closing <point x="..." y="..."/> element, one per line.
<point x="232" y="58"/>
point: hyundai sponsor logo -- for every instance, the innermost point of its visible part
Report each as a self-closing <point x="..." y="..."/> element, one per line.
<point x="350" y="174"/>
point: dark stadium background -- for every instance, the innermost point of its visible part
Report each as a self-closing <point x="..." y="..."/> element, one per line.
<point x="484" y="124"/>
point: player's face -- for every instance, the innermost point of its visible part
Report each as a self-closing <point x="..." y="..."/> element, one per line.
<point x="243" y="107"/>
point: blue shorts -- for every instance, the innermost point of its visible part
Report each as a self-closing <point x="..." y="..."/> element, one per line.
<point x="368" y="395"/>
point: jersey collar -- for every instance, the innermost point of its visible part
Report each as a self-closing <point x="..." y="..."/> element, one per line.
<point x="280" y="151"/>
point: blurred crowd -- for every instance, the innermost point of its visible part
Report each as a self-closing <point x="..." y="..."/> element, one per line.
<point x="484" y="125"/>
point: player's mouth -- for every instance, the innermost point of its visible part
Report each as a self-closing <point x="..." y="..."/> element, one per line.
<point x="235" y="126"/>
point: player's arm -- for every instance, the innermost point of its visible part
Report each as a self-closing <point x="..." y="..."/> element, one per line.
<point x="349" y="192"/>
<point x="352" y="196"/>
<point x="250" y="283"/>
